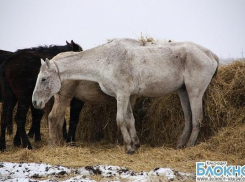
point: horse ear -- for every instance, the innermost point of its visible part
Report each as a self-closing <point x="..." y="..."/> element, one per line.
<point x="67" y="43"/>
<point x="72" y="45"/>
<point x="47" y="62"/>
<point x="42" y="61"/>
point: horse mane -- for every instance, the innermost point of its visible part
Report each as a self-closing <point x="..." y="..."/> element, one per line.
<point x="50" y="50"/>
<point x="41" y="51"/>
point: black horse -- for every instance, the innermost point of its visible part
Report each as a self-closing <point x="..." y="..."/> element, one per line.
<point x="18" y="77"/>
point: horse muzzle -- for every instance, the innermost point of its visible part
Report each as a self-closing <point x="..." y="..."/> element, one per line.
<point x="38" y="105"/>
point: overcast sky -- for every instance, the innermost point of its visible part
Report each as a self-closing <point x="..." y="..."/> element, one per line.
<point x="216" y="24"/>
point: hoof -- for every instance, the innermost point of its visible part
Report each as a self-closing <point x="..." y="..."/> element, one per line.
<point x="70" y="139"/>
<point x="28" y="147"/>
<point x="2" y="147"/>
<point x="179" y="147"/>
<point x="71" y="144"/>
<point x="189" y="145"/>
<point x="130" y="152"/>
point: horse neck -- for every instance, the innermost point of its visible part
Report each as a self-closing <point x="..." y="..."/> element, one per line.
<point x="79" y="69"/>
<point x="48" y="51"/>
<point x="53" y="51"/>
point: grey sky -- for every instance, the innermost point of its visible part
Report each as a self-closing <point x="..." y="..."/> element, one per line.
<point x="216" y="24"/>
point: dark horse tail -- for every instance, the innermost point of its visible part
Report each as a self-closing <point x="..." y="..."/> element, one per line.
<point x="5" y="87"/>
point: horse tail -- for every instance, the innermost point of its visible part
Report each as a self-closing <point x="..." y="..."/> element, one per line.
<point x="217" y="60"/>
<point x="3" y="61"/>
<point x="5" y="88"/>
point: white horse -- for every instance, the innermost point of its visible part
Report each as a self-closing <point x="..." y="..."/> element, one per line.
<point x="125" y="68"/>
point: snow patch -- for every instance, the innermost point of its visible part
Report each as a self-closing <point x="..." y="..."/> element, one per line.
<point x="28" y="172"/>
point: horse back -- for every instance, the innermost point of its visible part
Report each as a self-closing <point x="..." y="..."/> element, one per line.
<point x="159" y="69"/>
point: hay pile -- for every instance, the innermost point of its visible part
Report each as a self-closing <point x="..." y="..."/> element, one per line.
<point x="228" y="141"/>
<point x="159" y="121"/>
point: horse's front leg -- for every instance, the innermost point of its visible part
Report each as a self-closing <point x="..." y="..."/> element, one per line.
<point x="9" y="101"/>
<point x="22" y="110"/>
<point x="56" y="120"/>
<point x="131" y="124"/>
<point x="36" y="122"/>
<point x="122" y="106"/>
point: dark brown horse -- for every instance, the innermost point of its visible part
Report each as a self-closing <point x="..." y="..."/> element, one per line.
<point x="18" y="75"/>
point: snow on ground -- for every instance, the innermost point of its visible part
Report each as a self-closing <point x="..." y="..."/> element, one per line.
<point x="30" y="172"/>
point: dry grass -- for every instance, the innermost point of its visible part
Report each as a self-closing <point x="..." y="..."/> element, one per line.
<point x="145" y="38"/>
<point x="159" y="123"/>
<point x="218" y="148"/>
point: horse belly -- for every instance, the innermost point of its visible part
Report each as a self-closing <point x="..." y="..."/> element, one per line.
<point x="157" y="86"/>
<point x="91" y="92"/>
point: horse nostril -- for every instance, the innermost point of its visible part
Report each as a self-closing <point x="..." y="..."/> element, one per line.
<point x="34" y="103"/>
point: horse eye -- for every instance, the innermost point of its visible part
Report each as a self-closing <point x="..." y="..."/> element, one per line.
<point x="43" y="79"/>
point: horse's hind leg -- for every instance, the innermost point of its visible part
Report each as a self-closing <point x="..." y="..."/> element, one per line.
<point x="75" y="109"/>
<point x="185" y="103"/>
<point x="199" y="70"/>
<point x="9" y="101"/>
<point x="195" y="90"/>
<point x="31" y="132"/>
<point x="197" y="117"/>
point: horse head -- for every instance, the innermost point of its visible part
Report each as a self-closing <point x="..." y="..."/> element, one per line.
<point x="74" y="47"/>
<point x="48" y="83"/>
